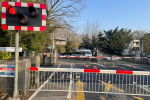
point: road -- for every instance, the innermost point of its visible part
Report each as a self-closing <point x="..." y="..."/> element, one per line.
<point x="92" y="86"/>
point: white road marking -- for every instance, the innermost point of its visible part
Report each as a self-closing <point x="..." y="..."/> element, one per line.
<point x="35" y="93"/>
<point x="63" y="76"/>
<point x="100" y="65"/>
<point x="143" y="87"/>
<point x="70" y="86"/>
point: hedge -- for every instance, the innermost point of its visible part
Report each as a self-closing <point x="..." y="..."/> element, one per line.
<point x="4" y="55"/>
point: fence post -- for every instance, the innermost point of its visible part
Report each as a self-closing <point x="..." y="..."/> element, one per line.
<point x="27" y="75"/>
<point x="55" y="54"/>
<point x="37" y="63"/>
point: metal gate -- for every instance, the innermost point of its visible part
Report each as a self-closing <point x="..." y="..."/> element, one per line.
<point x="91" y="80"/>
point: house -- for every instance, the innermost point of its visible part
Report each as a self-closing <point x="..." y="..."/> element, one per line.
<point x="133" y="46"/>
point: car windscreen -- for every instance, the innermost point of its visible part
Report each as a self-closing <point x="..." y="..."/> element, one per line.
<point x="87" y="52"/>
<point x="78" y="52"/>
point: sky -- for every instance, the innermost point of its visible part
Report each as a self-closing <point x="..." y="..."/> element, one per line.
<point x="130" y="14"/>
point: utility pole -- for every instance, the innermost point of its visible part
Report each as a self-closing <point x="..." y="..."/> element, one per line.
<point x="142" y="49"/>
<point x="16" y="93"/>
<point x="52" y="48"/>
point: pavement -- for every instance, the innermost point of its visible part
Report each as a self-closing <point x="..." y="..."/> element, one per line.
<point x="92" y="86"/>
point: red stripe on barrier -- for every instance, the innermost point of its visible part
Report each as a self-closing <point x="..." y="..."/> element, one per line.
<point x="123" y="72"/>
<point x="149" y="72"/>
<point x="87" y="56"/>
<point x="142" y="57"/>
<point x="132" y="57"/>
<point x="67" y="56"/>
<point x="92" y="70"/>
<point x="122" y="57"/>
<point x="102" y="57"/>
<point x="33" y="69"/>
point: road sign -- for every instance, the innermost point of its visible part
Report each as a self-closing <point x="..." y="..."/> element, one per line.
<point x="23" y="16"/>
<point x="6" y="74"/>
<point x="133" y="52"/>
<point x="48" y="54"/>
<point x="10" y="49"/>
<point x="51" y="46"/>
<point x="6" y="70"/>
<point x="6" y="66"/>
<point x="44" y="53"/>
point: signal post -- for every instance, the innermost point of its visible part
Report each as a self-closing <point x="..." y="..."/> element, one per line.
<point x="22" y="16"/>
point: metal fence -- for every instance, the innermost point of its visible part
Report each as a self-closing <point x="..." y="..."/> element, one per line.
<point x="23" y="75"/>
<point x="91" y="80"/>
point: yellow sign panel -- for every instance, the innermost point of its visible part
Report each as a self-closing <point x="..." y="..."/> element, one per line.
<point x="48" y="54"/>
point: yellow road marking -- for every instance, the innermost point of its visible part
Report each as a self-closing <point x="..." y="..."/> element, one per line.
<point x="77" y="76"/>
<point x="108" y="86"/>
<point x="68" y="76"/>
<point x="139" y="98"/>
<point x="122" y="67"/>
<point x="104" y="63"/>
<point x="115" y="66"/>
<point x="87" y="65"/>
<point x="80" y="95"/>
<point x="134" y="67"/>
<point x="102" y="98"/>
<point x="118" y="89"/>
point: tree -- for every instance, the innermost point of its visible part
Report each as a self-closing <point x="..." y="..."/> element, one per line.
<point x="146" y="42"/>
<point x="89" y="34"/>
<point x="101" y="41"/>
<point x="138" y="34"/>
<point x="63" y="10"/>
<point x="115" y="40"/>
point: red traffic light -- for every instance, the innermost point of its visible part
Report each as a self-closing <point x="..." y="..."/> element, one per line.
<point x="11" y="10"/>
<point x="33" y="12"/>
<point x="22" y="19"/>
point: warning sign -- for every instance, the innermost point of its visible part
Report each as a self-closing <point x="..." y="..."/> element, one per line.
<point x="48" y="54"/>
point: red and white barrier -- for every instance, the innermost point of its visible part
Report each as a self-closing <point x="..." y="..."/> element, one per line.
<point x="94" y="57"/>
<point x="91" y="71"/>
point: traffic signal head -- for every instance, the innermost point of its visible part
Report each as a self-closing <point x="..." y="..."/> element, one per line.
<point x="23" y="16"/>
<point x="22" y="19"/>
<point x="11" y="10"/>
<point x="33" y="12"/>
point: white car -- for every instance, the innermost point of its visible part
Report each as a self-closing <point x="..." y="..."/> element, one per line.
<point x="73" y="54"/>
<point x="115" y="58"/>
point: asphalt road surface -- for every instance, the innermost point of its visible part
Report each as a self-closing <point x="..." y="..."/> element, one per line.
<point x="92" y="86"/>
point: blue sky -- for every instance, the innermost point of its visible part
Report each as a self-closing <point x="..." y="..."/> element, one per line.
<point x="130" y="14"/>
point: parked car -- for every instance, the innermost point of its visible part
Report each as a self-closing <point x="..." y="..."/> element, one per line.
<point x="59" y="55"/>
<point x="115" y="58"/>
<point x="67" y="55"/>
<point x="73" y="55"/>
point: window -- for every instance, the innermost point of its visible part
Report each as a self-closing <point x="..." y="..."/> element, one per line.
<point x="87" y="52"/>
